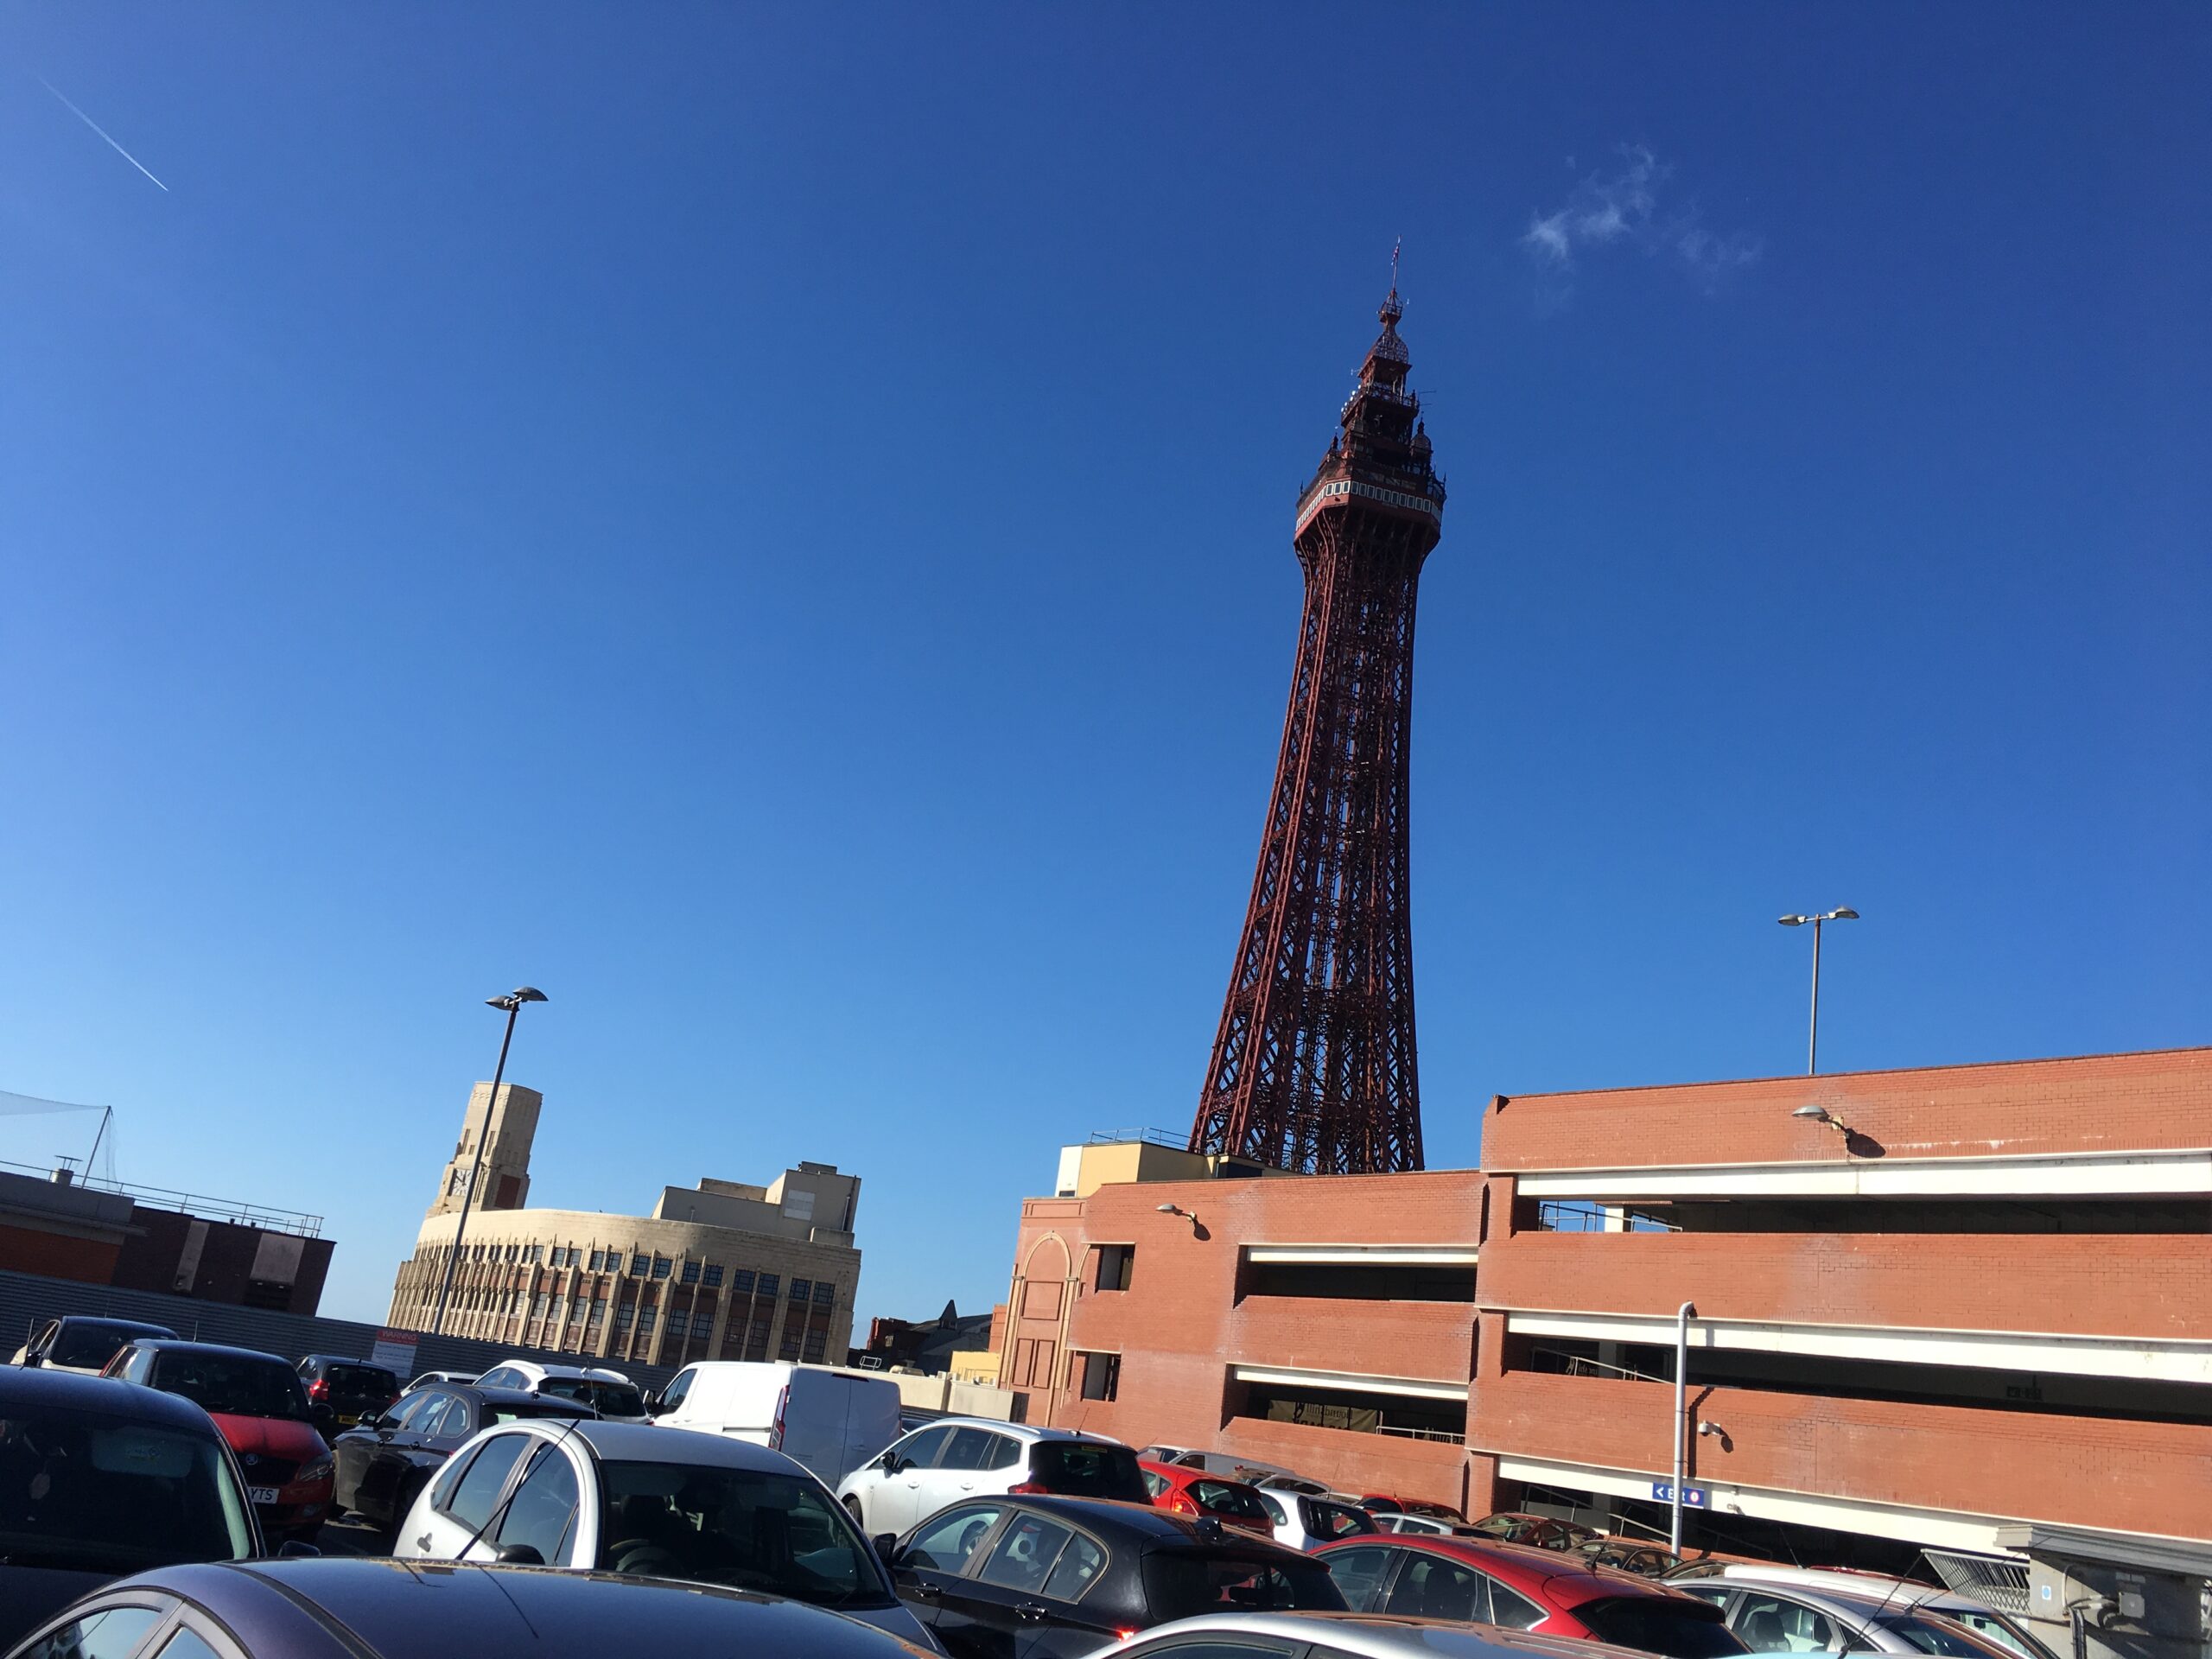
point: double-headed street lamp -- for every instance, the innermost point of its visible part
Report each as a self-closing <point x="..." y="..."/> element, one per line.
<point x="1840" y="914"/>
<point x="512" y="1003"/>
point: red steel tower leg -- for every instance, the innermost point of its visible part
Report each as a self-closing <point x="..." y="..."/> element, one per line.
<point x="1313" y="1066"/>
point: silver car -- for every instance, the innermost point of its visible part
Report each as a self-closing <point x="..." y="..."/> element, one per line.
<point x="1796" y="1618"/>
<point x="1978" y="1617"/>
<point x="1364" y="1636"/>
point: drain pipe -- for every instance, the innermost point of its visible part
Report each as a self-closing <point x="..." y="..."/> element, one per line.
<point x="1682" y="1317"/>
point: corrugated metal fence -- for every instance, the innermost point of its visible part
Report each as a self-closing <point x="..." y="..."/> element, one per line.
<point x="26" y="1300"/>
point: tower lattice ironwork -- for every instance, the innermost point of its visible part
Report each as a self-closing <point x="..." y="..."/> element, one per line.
<point x="1313" y="1067"/>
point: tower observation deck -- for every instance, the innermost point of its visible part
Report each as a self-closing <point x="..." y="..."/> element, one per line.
<point x="1313" y="1066"/>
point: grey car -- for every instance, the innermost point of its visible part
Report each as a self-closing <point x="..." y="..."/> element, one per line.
<point x="1769" y="1617"/>
<point x="1977" y="1616"/>
<point x="1360" y="1635"/>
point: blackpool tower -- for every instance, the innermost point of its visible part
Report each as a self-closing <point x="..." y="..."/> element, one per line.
<point x="1313" y="1066"/>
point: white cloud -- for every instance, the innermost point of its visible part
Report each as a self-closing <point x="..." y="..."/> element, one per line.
<point x="1622" y="206"/>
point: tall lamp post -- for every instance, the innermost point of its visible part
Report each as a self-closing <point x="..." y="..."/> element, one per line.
<point x="1840" y="914"/>
<point x="512" y="1003"/>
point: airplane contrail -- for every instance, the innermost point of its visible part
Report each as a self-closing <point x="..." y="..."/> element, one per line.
<point x="100" y="129"/>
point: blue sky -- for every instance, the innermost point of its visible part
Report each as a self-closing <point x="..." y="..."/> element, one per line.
<point x="773" y="526"/>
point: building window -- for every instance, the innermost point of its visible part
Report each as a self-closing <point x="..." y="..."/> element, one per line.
<point x="801" y="1290"/>
<point x="1102" y="1376"/>
<point x="703" y="1324"/>
<point x="825" y="1292"/>
<point x="597" y="1260"/>
<point x="788" y="1349"/>
<point x="646" y="1315"/>
<point x="598" y="1310"/>
<point x="690" y="1273"/>
<point x="560" y="1310"/>
<point x="741" y="1283"/>
<point x="662" y="1266"/>
<point x="756" y="1341"/>
<point x="639" y="1266"/>
<point x="624" y="1314"/>
<point x="713" y="1276"/>
<point x="1114" y="1262"/>
<point x="816" y="1343"/>
<point x="769" y="1284"/>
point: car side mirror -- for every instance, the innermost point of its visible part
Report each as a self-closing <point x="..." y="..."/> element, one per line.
<point x="653" y="1406"/>
<point x="370" y="1420"/>
<point x="886" y="1548"/>
<point x="519" y="1555"/>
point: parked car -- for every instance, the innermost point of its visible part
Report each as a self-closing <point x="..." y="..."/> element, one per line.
<point x="1529" y="1589"/>
<point x="1977" y="1616"/>
<point x="98" y="1479"/>
<point x="1342" y="1635"/>
<point x="430" y="1377"/>
<point x="1382" y="1505"/>
<point x="81" y="1345"/>
<point x="351" y="1387"/>
<point x="1543" y="1531"/>
<point x="610" y="1394"/>
<point x="830" y="1420"/>
<point x="1300" y="1484"/>
<point x="1423" y="1526"/>
<point x="1251" y="1472"/>
<point x="352" y="1608"/>
<point x="1033" y="1576"/>
<point x="256" y="1400"/>
<point x="1185" y="1490"/>
<point x="384" y="1460"/>
<point x="637" y="1501"/>
<point x="1801" y="1619"/>
<point x="1303" y="1522"/>
<point x="1638" y="1555"/>
<point x="960" y="1457"/>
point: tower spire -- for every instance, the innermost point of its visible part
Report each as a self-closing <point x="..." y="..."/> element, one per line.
<point x="1313" y="1066"/>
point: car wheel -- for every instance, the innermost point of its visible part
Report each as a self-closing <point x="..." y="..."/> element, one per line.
<point x="852" y="1508"/>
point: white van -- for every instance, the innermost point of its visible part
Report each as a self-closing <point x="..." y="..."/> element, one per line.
<point x="829" y="1419"/>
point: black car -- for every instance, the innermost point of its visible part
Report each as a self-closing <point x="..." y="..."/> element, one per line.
<point x="98" y="1479"/>
<point x="1014" y="1576"/>
<point x="386" y="1459"/>
<point x="352" y="1388"/>
<point x="353" y="1608"/>
<point x="81" y="1343"/>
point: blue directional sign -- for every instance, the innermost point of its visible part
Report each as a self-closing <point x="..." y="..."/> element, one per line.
<point x="1662" y="1491"/>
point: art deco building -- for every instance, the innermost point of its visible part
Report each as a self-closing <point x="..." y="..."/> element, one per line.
<point x="722" y="1270"/>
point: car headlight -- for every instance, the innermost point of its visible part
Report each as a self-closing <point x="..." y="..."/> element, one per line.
<point x="319" y="1470"/>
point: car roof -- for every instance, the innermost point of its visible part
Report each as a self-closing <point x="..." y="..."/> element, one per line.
<point x="1382" y="1636"/>
<point x="346" y="1359"/>
<point x="115" y="1324"/>
<point x="425" y="1610"/>
<point x="26" y="1388"/>
<point x="1163" y="1526"/>
<point x="614" y="1442"/>
<point x="162" y="1344"/>
<point x="1844" y="1580"/>
<point x="1858" y="1602"/>
<point x="1020" y="1431"/>
<point x="1548" y="1567"/>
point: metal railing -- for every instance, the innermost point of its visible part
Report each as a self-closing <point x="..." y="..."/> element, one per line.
<point x="1585" y="1215"/>
<point x="236" y="1211"/>
<point x="1150" y="1137"/>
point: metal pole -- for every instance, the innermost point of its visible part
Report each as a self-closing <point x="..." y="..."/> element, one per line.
<point x="105" y="1113"/>
<point x="1813" y="1040"/>
<point x="475" y="1174"/>
<point x="1682" y="1317"/>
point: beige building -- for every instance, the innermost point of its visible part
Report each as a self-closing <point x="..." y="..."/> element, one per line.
<point x="722" y="1270"/>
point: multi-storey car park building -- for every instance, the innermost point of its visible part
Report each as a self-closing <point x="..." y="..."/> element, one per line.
<point x="723" y="1270"/>
<point x="1968" y="1310"/>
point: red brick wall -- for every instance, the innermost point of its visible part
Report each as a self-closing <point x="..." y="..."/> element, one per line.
<point x="2104" y="1103"/>
<point x="2086" y="1472"/>
<point x="2122" y="1284"/>
<point x="1179" y="1327"/>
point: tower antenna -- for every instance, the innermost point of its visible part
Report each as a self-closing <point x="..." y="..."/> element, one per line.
<point x="1397" y="243"/>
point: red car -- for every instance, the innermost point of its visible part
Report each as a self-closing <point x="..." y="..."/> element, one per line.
<point x="1194" y="1492"/>
<point x="256" y="1402"/>
<point x="1381" y="1504"/>
<point x="1539" y="1589"/>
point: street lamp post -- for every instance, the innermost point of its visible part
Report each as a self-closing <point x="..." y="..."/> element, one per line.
<point x="1840" y="914"/>
<point x="512" y="1003"/>
<point x="1682" y="1318"/>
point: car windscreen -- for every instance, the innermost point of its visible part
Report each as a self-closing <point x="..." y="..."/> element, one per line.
<point x="1335" y="1520"/>
<point x="1677" y="1626"/>
<point x="1185" y="1583"/>
<point x="1227" y="1498"/>
<point x="1088" y="1469"/>
<point x="360" y="1383"/>
<point x="88" y="1344"/>
<point x="608" y="1399"/>
<point x="507" y="1411"/>
<point x="237" y="1385"/>
<point x="751" y="1529"/>
<point x="94" y="1493"/>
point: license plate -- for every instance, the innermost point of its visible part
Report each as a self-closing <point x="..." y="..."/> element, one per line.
<point x="261" y="1494"/>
